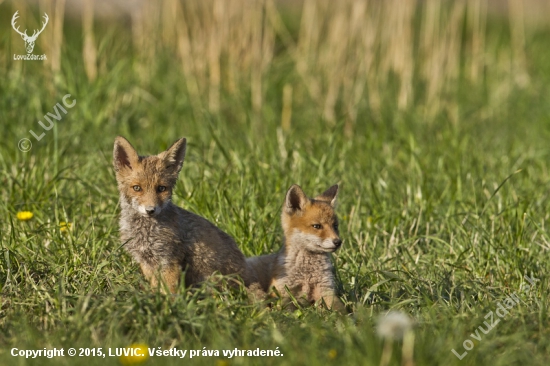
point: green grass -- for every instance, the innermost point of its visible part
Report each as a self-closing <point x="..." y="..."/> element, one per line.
<point x="440" y="219"/>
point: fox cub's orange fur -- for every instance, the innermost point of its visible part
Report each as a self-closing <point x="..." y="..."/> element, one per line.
<point x="162" y="237"/>
<point x="303" y="264"/>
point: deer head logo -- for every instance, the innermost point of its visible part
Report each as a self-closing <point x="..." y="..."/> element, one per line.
<point x="29" y="41"/>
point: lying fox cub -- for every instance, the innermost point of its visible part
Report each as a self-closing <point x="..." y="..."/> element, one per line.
<point x="303" y="264"/>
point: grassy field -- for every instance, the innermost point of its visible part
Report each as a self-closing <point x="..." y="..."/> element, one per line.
<point x="440" y="147"/>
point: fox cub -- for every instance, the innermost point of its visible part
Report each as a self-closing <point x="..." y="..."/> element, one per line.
<point x="162" y="237"/>
<point x="303" y="264"/>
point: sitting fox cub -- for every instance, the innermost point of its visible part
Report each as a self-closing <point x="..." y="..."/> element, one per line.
<point x="303" y="264"/>
<point x="162" y="237"/>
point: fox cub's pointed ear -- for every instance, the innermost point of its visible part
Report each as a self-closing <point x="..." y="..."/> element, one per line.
<point x="124" y="154"/>
<point x="329" y="195"/>
<point x="295" y="200"/>
<point x="175" y="154"/>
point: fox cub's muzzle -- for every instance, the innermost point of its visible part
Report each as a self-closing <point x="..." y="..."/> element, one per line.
<point x="150" y="210"/>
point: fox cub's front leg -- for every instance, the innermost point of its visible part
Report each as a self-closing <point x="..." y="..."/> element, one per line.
<point x="333" y="302"/>
<point x="168" y="274"/>
<point x="327" y="295"/>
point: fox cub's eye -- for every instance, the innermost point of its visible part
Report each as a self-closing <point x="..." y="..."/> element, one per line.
<point x="335" y="226"/>
<point x="137" y="188"/>
<point x="161" y="188"/>
<point x="316" y="226"/>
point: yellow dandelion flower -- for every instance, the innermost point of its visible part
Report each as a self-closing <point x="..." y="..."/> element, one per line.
<point x="137" y="353"/>
<point x="64" y="227"/>
<point x="332" y="354"/>
<point x="24" y="215"/>
<point x="222" y="363"/>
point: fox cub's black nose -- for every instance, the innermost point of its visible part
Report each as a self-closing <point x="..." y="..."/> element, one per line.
<point x="337" y="242"/>
<point x="150" y="211"/>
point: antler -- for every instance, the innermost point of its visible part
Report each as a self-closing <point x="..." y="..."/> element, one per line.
<point x="34" y="35"/>
<point x="13" y="19"/>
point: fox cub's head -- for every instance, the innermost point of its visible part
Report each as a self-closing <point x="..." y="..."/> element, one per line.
<point x="311" y="223"/>
<point x="145" y="183"/>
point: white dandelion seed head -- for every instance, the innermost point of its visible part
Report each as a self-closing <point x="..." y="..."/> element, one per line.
<point x="393" y="325"/>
